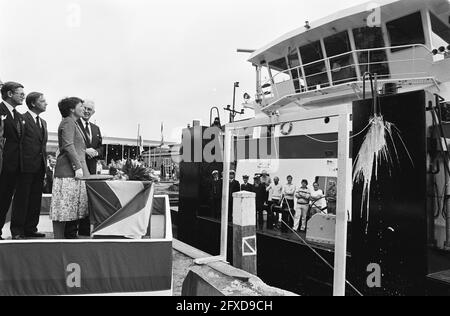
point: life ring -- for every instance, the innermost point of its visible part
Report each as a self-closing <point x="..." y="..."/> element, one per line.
<point x="288" y="131"/>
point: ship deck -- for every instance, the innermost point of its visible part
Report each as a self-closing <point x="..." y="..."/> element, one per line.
<point x="298" y="238"/>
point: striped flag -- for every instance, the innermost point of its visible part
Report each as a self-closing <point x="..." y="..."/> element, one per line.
<point x="162" y="134"/>
<point x="141" y="145"/>
<point x="120" y="208"/>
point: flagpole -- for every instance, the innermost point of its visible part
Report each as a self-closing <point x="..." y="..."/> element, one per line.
<point x="138" y="134"/>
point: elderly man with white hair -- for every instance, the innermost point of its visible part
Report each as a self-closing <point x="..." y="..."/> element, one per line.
<point x="94" y="152"/>
<point x="94" y="141"/>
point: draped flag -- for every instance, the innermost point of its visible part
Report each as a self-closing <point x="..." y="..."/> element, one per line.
<point x="120" y="208"/>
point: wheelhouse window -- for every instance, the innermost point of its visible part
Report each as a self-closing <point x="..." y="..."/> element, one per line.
<point x="440" y="33"/>
<point x="372" y="55"/>
<point x="296" y="73"/>
<point x="314" y="65"/>
<point x="279" y="69"/>
<point x="343" y="65"/>
<point x="407" y="30"/>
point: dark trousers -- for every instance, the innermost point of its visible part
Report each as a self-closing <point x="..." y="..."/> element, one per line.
<point x="27" y="203"/>
<point x="260" y="218"/>
<point x="216" y="205"/>
<point x="71" y="230"/>
<point x="8" y="183"/>
<point x="84" y="227"/>
<point x="65" y="230"/>
<point x="272" y="216"/>
<point x="288" y="215"/>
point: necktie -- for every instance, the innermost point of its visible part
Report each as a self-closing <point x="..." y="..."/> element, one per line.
<point x="39" y="125"/>
<point x="17" y="121"/>
<point x="88" y="133"/>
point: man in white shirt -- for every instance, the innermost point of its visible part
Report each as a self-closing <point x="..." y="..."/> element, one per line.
<point x="275" y="190"/>
<point x="318" y="200"/>
<point x="303" y="196"/>
<point x="289" y="197"/>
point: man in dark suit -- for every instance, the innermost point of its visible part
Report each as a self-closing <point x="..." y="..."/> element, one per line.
<point x="13" y="96"/>
<point x="235" y="186"/>
<point x="216" y="195"/>
<point x="2" y="139"/>
<point x="49" y="170"/>
<point x="246" y="186"/>
<point x="94" y="152"/>
<point x="27" y="200"/>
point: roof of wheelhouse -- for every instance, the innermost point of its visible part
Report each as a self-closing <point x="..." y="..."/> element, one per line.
<point x="346" y="19"/>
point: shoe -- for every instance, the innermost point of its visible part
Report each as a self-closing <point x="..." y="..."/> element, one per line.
<point x="18" y="237"/>
<point x="71" y="237"/>
<point x="35" y="235"/>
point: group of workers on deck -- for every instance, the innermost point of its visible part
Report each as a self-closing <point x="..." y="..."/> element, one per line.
<point x="287" y="206"/>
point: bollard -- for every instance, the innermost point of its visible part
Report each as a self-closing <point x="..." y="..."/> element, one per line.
<point x="244" y="231"/>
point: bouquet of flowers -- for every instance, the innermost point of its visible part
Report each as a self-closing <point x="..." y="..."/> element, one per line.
<point x="132" y="170"/>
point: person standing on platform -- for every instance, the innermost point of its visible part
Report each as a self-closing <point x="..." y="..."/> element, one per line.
<point x="303" y="196"/>
<point x="289" y="197"/>
<point x="216" y="195"/>
<point x="94" y="152"/>
<point x="2" y="142"/>
<point x="260" y="191"/>
<point x="235" y="186"/>
<point x="50" y="169"/>
<point x="13" y="96"/>
<point x="246" y="186"/>
<point x="275" y="190"/>
<point x="69" y="197"/>
<point x="2" y="139"/>
<point x="94" y="139"/>
<point x="318" y="200"/>
<point x="265" y="178"/>
<point x="30" y="184"/>
<point x="266" y="182"/>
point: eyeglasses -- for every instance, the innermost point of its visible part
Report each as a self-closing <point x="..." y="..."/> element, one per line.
<point x="20" y="94"/>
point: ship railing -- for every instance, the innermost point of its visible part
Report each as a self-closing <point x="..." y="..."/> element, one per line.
<point x="395" y="63"/>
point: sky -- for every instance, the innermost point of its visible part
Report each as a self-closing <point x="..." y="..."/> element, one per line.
<point x="143" y="61"/>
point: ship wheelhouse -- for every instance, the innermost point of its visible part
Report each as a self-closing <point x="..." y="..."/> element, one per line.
<point x="404" y="42"/>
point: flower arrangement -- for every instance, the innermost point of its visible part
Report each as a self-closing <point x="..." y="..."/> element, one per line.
<point x="131" y="170"/>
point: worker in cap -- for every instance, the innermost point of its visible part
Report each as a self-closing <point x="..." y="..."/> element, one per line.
<point x="246" y="186"/>
<point x="235" y="186"/>
<point x="260" y="190"/>
<point x="216" y="195"/>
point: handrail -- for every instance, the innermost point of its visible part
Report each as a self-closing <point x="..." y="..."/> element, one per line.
<point x="327" y="69"/>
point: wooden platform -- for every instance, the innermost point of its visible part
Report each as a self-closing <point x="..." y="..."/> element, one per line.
<point x="45" y="226"/>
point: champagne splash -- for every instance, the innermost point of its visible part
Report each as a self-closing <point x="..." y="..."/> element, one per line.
<point x="373" y="153"/>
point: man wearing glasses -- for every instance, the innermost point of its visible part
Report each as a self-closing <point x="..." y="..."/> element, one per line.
<point x="94" y="151"/>
<point x="13" y="95"/>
